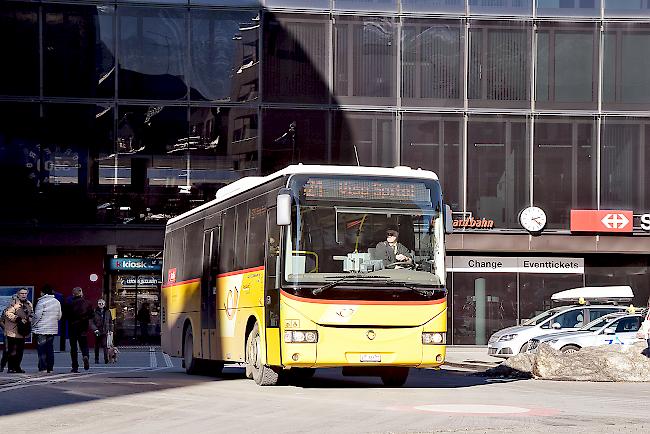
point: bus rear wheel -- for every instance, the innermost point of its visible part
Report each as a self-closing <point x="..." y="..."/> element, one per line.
<point x="262" y="375"/>
<point x="190" y="363"/>
<point x="394" y="377"/>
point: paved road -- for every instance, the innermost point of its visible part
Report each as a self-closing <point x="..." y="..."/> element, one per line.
<point x="144" y="394"/>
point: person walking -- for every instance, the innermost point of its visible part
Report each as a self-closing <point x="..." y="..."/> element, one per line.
<point x="78" y="313"/>
<point x="3" y="317"/>
<point x="17" y="327"/>
<point x="102" y="325"/>
<point x="144" y="318"/>
<point x="47" y="314"/>
<point x="644" y="331"/>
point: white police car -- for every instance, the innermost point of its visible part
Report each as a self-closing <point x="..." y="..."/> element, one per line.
<point x="616" y="328"/>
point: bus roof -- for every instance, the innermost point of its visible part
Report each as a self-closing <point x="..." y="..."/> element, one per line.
<point x="251" y="182"/>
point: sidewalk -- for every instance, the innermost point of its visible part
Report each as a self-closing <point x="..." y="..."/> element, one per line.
<point x="471" y="357"/>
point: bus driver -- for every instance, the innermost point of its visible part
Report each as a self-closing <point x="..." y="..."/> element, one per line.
<point x="392" y="252"/>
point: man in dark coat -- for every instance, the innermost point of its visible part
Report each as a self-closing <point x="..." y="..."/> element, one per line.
<point x="77" y="313"/>
<point x="391" y="251"/>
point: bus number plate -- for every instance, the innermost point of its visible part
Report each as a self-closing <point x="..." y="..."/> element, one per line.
<point x="371" y="357"/>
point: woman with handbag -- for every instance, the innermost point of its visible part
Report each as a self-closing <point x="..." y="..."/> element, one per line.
<point x="18" y="320"/>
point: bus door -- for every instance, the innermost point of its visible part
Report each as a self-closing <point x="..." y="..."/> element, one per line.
<point x="272" y="288"/>
<point x="209" y="293"/>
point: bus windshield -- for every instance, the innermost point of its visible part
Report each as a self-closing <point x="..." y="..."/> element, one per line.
<point x="366" y="233"/>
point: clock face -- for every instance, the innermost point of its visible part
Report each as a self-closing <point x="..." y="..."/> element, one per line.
<point x="533" y="219"/>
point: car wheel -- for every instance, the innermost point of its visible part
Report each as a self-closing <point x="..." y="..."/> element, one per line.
<point x="570" y="349"/>
<point x="524" y="348"/>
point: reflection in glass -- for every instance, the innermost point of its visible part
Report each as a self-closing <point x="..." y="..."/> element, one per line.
<point x="432" y="63"/>
<point x="499" y="65"/>
<point x="624" y="154"/>
<point x="302" y="4"/>
<point x="153" y="45"/>
<point x="564" y="168"/>
<point x="501" y="7"/>
<point x="364" y="59"/>
<point x="483" y="304"/>
<point x="497" y="169"/>
<point x="567" y="71"/>
<point x="626" y="67"/>
<point x="224" y="64"/>
<point x="627" y="8"/>
<point x="536" y="290"/>
<point x="433" y="143"/>
<point x="366" y="5"/>
<point x="296" y="53"/>
<point x="19" y="45"/>
<point x="368" y="138"/>
<point x="632" y="270"/>
<point x="581" y="8"/>
<point x="79" y="60"/>
<point x="448" y="6"/>
<point x="294" y="136"/>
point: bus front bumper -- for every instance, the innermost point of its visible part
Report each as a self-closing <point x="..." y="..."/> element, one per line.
<point x="364" y="346"/>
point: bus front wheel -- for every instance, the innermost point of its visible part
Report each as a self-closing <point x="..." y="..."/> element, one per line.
<point x="394" y="377"/>
<point x="188" y="352"/>
<point x="262" y="374"/>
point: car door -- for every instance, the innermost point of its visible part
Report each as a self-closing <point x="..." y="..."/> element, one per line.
<point x="626" y="330"/>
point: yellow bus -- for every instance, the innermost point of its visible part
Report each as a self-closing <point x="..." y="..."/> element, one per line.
<point x="310" y="267"/>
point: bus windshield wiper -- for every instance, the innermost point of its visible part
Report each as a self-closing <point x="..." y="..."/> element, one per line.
<point x="327" y="286"/>
<point x="422" y="291"/>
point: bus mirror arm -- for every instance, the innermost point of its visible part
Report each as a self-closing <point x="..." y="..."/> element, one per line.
<point x="449" y="221"/>
<point x="283" y="209"/>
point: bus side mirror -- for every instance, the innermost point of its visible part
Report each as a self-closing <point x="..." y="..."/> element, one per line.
<point x="449" y="221"/>
<point x="283" y="209"/>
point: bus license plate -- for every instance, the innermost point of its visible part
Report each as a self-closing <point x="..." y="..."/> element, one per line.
<point x="371" y="357"/>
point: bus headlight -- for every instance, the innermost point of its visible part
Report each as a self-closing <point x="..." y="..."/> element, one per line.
<point x="300" y="336"/>
<point x="434" y="338"/>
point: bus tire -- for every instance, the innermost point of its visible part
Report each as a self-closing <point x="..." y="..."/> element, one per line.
<point x="395" y="377"/>
<point x="190" y="363"/>
<point x="262" y="375"/>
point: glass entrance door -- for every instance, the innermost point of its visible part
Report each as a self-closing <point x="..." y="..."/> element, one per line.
<point x="136" y="299"/>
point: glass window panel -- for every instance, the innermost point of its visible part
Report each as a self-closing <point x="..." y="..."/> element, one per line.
<point x="368" y="137"/>
<point x="499" y="65"/>
<point x="178" y="2"/>
<point x="626" y="67"/>
<point x="19" y="47"/>
<point x="501" y="7"/>
<point x="582" y="8"/>
<point x="445" y="6"/>
<point x="79" y="59"/>
<point x="624" y="146"/>
<point x="301" y="4"/>
<point x="536" y="289"/>
<point x="365" y="5"/>
<point x="153" y="46"/>
<point x="632" y="270"/>
<point x="497" y="169"/>
<point x="433" y="143"/>
<point x="432" y="63"/>
<point x="75" y="136"/>
<point x="20" y="160"/>
<point x="365" y="60"/>
<point x="224" y="56"/>
<point x="564" y="168"/>
<point x="627" y="8"/>
<point x="567" y="75"/>
<point x="294" y="136"/>
<point x="296" y="58"/>
<point x="483" y="304"/>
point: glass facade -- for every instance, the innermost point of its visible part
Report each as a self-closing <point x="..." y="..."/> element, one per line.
<point x="125" y="113"/>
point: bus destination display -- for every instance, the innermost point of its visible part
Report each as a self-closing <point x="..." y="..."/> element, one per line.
<point x="366" y="190"/>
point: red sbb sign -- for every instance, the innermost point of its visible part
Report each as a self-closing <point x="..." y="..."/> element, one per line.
<point x="589" y="220"/>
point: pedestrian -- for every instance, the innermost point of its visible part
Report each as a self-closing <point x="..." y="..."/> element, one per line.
<point x="61" y="333"/>
<point x="102" y="325"/>
<point x="3" y="317"/>
<point x="144" y="318"/>
<point x="47" y="314"/>
<point x="77" y="313"/>
<point x="644" y="331"/>
<point x="18" y="320"/>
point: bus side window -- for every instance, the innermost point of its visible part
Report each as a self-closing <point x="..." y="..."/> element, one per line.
<point x="256" y="233"/>
<point x="240" y="243"/>
<point x="226" y="248"/>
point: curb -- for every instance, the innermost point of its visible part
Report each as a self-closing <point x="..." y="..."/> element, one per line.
<point x="473" y="366"/>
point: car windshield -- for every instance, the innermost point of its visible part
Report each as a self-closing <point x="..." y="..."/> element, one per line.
<point x="596" y="324"/>
<point x="334" y="240"/>
<point x="540" y="318"/>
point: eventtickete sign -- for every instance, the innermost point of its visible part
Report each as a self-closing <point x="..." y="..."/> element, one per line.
<point x="494" y="264"/>
<point x="6" y="292"/>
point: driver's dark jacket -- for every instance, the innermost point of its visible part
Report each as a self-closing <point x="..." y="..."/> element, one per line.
<point x="385" y="252"/>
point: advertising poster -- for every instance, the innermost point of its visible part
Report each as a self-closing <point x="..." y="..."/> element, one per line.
<point x="6" y="292"/>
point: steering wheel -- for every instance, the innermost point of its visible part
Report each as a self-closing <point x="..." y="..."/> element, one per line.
<point x="404" y="264"/>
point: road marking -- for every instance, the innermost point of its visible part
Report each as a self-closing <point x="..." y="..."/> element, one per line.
<point x="168" y="360"/>
<point x="153" y="362"/>
<point x="473" y="409"/>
